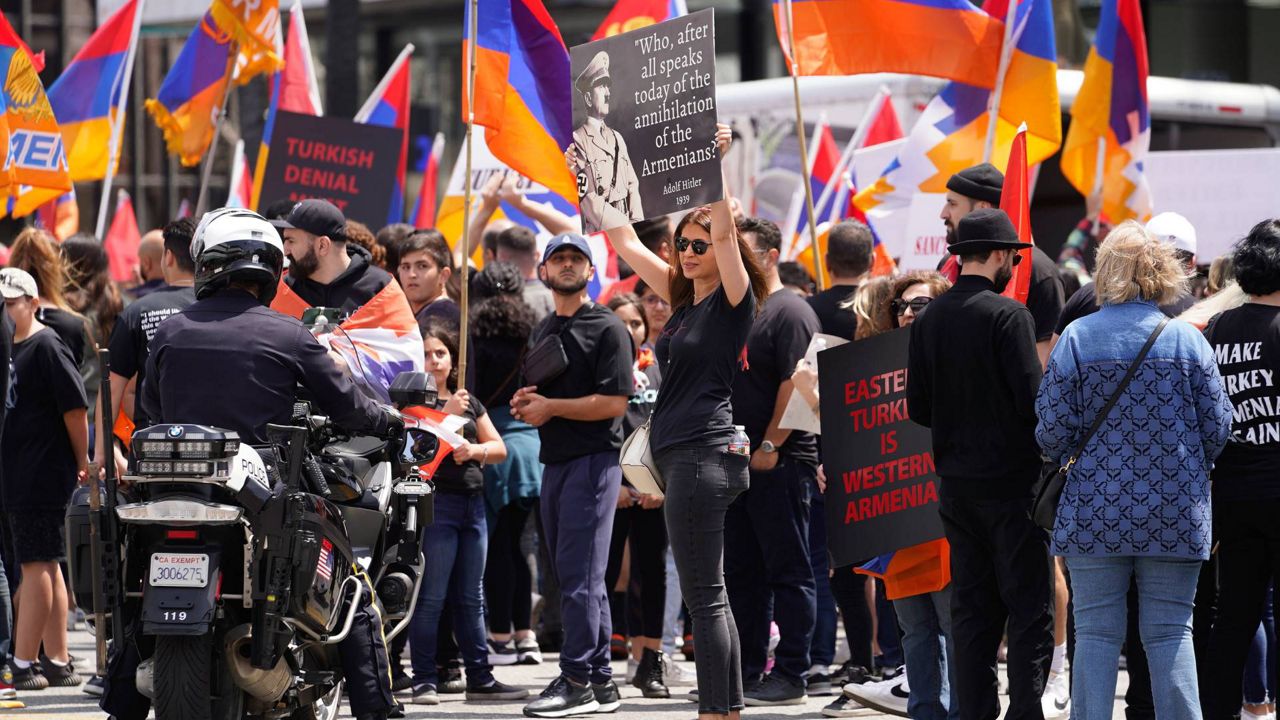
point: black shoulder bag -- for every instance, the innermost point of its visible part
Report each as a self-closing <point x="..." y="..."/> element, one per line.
<point x="547" y="359"/>
<point x="1054" y="477"/>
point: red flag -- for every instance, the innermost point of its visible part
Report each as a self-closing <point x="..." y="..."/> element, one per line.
<point x="424" y="210"/>
<point x="629" y="15"/>
<point x="1015" y="200"/>
<point x="122" y="240"/>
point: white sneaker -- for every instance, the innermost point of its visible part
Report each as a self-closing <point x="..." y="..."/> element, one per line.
<point x="887" y="696"/>
<point x="1056" y="701"/>
<point x="674" y="675"/>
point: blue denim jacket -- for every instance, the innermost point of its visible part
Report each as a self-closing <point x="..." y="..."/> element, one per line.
<point x="1141" y="487"/>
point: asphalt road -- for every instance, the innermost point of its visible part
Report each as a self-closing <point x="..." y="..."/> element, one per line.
<point x="73" y="704"/>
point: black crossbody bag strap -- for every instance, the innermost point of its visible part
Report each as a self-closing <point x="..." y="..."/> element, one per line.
<point x="1115" y="396"/>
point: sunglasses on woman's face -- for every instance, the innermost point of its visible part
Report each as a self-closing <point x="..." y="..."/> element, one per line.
<point x="699" y="246"/>
<point x="916" y="304"/>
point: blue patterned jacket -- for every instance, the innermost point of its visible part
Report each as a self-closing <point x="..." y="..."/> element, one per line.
<point x="1141" y="487"/>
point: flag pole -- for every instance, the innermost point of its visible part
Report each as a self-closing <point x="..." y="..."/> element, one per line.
<point x="1006" y="56"/>
<point x="465" y="266"/>
<point x="232" y="72"/>
<point x="820" y="276"/>
<point x="117" y="127"/>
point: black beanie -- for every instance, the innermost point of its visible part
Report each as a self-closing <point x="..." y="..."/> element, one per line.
<point x="980" y="182"/>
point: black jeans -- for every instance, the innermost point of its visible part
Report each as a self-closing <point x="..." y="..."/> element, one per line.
<point x="1000" y="572"/>
<point x="508" y="585"/>
<point x="767" y="570"/>
<point x="1248" y="561"/>
<point x="701" y="484"/>
<point x="647" y="530"/>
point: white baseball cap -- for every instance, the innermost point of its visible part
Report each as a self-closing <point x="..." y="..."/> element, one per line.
<point x="1174" y="229"/>
<point x="15" y="283"/>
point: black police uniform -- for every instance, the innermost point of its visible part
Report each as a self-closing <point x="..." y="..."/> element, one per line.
<point x="229" y="362"/>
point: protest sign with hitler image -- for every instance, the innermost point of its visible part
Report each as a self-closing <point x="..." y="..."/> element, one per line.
<point x="644" y="117"/>
<point x="882" y="489"/>
<point x="349" y="164"/>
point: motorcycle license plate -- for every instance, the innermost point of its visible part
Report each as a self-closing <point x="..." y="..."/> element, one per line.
<point x="179" y="570"/>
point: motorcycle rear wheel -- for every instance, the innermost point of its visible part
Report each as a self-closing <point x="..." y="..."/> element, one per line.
<point x="327" y="708"/>
<point x="191" y="683"/>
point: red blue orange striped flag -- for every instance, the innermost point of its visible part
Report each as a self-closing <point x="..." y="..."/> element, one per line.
<point x="628" y="15"/>
<point x="523" y="92"/>
<point x="190" y="97"/>
<point x="35" y="168"/>
<point x="88" y="97"/>
<point x="388" y="106"/>
<point x="951" y="39"/>
<point x="1111" y="109"/>
<point x="424" y="209"/>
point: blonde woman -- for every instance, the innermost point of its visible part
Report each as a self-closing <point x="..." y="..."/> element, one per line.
<point x="1136" y="503"/>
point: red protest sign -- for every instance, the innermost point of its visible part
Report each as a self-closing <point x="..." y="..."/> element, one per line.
<point x="882" y="488"/>
<point x="349" y="164"/>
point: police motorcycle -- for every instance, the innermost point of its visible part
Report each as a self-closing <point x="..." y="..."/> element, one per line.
<point x="245" y="567"/>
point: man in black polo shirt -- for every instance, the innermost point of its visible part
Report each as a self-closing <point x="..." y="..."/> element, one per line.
<point x="972" y="378"/>
<point x="578" y="412"/>
<point x="849" y="255"/>
<point x="135" y="327"/>
<point x="324" y="269"/>
<point x="766" y="530"/>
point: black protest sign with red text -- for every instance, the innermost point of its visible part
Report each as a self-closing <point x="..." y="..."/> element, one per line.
<point x="352" y="165"/>
<point x="882" y="488"/>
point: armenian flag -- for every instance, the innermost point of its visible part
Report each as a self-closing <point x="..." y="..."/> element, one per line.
<point x="88" y="98"/>
<point x="240" y="192"/>
<point x="523" y="92"/>
<point x="388" y="106"/>
<point x="822" y="169"/>
<point x="35" y="170"/>
<point x="628" y="15"/>
<point x="294" y="89"/>
<point x="911" y="571"/>
<point x="424" y="209"/>
<point x="190" y="97"/>
<point x="950" y="134"/>
<point x="1111" y="110"/>
<point x="952" y="39"/>
<point x="882" y="126"/>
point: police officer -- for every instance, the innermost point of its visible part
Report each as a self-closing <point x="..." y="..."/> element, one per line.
<point x="229" y="361"/>
<point x="603" y="165"/>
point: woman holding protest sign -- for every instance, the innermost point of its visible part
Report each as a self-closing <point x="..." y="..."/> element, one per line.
<point x="1135" y="501"/>
<point x="714" y="284"/>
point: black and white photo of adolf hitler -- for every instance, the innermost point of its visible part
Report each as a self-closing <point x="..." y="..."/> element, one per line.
<point x="603" y="166"/>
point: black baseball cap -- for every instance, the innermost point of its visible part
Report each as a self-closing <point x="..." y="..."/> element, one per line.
<point x="318" y="217"/>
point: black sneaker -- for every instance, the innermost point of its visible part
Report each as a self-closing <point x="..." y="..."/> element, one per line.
<point x="451" y="682"/>
<point x="58" y="675"/>
<point x="400" y="684"/>
<point x="503" y="653"/>
<point x="425" y="694"/>
<point x="27" y="678"/>
<point x="562" y="699"/>
<point x="818" y="683"/>
<point x="607" y="696"/>
<point x="774" y="690"/>
<point x="495" y="691"/>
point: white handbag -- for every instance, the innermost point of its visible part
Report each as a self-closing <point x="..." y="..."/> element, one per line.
<point x="637" y="463"/>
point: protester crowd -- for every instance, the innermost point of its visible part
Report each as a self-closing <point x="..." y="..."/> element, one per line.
<point x="539" y="545"/>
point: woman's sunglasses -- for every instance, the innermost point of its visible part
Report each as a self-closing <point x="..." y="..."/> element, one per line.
<point x="699" y="246"/>
<point x="916" y="304"/>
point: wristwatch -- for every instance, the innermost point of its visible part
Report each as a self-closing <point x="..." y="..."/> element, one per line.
<point x="768" y="447"/>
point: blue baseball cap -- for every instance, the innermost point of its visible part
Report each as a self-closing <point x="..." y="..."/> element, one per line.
<point x="573" y="240"/>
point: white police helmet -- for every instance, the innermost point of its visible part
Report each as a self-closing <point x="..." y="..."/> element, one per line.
<point x="234" y="243"/>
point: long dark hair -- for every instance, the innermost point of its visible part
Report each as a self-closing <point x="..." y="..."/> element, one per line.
<point x="91" y="291"/>
<point x="447" y="334"/>
<point x="682" y="287"/>
<point x="498" y="309"/>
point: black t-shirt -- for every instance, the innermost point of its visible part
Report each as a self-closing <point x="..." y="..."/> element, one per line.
<point x="1246" y="343"/>
<point x="467" y="478"/>
<point x="1044" y="296"/>
<point x="39" y="463"/>
<point x="600" y="354"/>
<point x="497" y="363"/>
<point x="835" y="320"/>
<point x="699" y="351"/>
<point x="648" y="378"/>
<point x="1085" y="302"/>
<point x="69" y="328"/>
<point x="778" y="339"/>
<point x="134" y="329"/>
